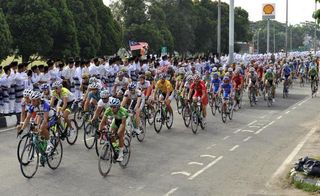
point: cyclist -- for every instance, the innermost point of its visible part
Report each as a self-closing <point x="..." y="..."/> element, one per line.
<point x="62" y="94"/>
<point x="313" y="74"/>
<point x="145" y="86"/>
<point x="121" y="83"/>
<point x="226" y="89"/>
<point x="237" y="81"/>
<point x="269" y="82"/>
<point x="135" y="98"/>
<point x="45" y="89"/>
<point x="103" y="103"/>
<point x="286" y="72"/>
<point x="118" y="124"/>
<point x="166" y="89"/>
<point x="25" y="104"/>
<point x="40" y="110"/>
<point x="252" y="80"/>
<point x="200" y="90"/>
<point x="215" y="83"/>
<point x="93" y="96"/>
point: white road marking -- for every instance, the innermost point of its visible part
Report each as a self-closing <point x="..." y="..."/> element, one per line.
<point x="226" y="137"/>
<point x="233" y="148"/>
<point x="209" y="147"/>
<point x="304" y="101"/>
<point x="259" y="131"/>
<point x="294" y="108"/>
<point x="91" y="138"/>
<point x="171" y="191"/>
<point x="207" y="155"/>
<point x="247" y="131"/>
<point x="245" y="140"/>
<point x="237" y="131"/>
<point x="195" y="163"/>
<point x="252" y="122"/>
<point x="254" y="126"/>
<point x="9" y="129"/>
<point x="289" y="159"/>
<point x="287" y="112"/>
<point x="182" y="173"/>
<point x="205" y="168"/>
<point x="279" y="117"/>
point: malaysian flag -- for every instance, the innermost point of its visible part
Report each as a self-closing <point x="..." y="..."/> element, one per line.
<point x="138" y="45"/>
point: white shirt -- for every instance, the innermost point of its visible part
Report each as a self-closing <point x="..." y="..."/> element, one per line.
<point x="21" y="79"/>
<point x="93" y="69"/>
<point x="103" y="104"/>
<point x="68" y="73"/>
<point x="145" y="67"/>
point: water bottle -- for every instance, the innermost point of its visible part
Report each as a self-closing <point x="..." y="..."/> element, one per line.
<point x="43" y="145"/>
<point x="115" y="145"/>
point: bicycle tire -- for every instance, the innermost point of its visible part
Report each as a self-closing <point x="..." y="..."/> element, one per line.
<point x="89" y="130"/>
<point x="157" y="119"/>
<point x="71" y="140"/>
<point x="169" y="120"/>
<point x="126" y="156"/>
<point x="194" y="122"/>
<point x="56" y="151"/>
<point x="29" y="152"/>
<point x="223" y="115"/>
<point x="186" y="115"/>
<point x="27" y="139"/>
<point x="105" y="157"/>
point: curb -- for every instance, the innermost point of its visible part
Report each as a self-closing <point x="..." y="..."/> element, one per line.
<point x="299" y="177"/>
<point x="8" y="121"/>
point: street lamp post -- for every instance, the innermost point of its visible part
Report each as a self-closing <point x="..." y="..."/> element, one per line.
<point x="231" y="32"/>
<point x="315" y="29"/>
<point x="287" y="27"/>
<point x="219" y="30"/>
<point x="258" y="35"/>
<point x="268" y="35"/>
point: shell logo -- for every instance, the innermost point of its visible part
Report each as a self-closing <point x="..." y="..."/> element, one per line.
<point x="268" y="9"/>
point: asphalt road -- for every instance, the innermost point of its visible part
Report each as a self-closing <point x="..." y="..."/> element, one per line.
<point x="236" y="158"/>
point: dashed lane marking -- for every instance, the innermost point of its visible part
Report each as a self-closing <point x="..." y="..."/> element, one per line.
<point x="171" y="191"/>
<point x="279" y="117"/>
<point x="237" y="131"/>
<point x="247" y="139"/>
<point x="233" y="148"/>
<point x="287" y="112"/>
<point x="294" y="108"/>
<point x="247" y="131"/>
<point x="207" y="155"/>
<point x="225" y="138"/>
<point x="259" y="131"/>
<point x="252" y="122"/>
<point x="181" y="173"/>
<point x="205" y="168"/>
<point x="209" y="147"/>
<point x="304" y="101"/>
<point x="195" y="163"/>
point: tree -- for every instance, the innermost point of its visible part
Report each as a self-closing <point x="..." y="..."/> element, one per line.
<point x="31" y="25"/>
<point x="5" y="37"/>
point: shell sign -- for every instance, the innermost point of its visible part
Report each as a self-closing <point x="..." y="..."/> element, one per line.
<point x="268" y="11"/>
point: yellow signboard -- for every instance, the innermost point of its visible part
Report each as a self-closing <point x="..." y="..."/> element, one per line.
<point x="269" y="11"/>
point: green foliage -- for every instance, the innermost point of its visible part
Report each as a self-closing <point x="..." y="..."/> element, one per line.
<point x="5" y="37"/>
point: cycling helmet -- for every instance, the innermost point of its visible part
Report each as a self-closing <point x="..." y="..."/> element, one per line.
<point x="313" y="67"/>
<point x="226" y="78"/>
<point x="251" y="69"/>
<point x="95" y="86"/>
<point x="269" y="70"/>
<point x="148" y="73"/>
<point x="114" y="102"/>
<point x="230" y="69"/>
<point x="93" y="80"/>
<point x="120" y="74"/>
<point x="105" y="94"/>
<point x="163" y="76"/>
<point x="214" y="69"/>
<point x="215" y="74"/>
<point x="56" y="84"/>
<point x="132" y="86"/>
<point x="35" y="95"/>
<point x="44" y="87"/>
<point x="189" y="78"/>
<point x="27" y="92"/>
<point x="196" y="77"/>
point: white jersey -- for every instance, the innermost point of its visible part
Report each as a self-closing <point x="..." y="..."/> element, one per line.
<point x="144" y="86"/>
<point x="134" y="96"/>
<point x="121" y="84"/>
<point x="103" y="104"/>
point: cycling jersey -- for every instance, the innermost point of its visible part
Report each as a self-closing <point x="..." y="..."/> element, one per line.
<point x="215" y="84"/>
<point x="64" y="93"/>
<point x="226" y="89"/>
<point x="286" y="71"/>
<point x="269" y="76"/>
<point x="103" y="104"/>
<point x="121" y="83"/>
<point x="165" y="86"/>
<point x="143" y="87"/>
<point x="133" y="96"/>
<point x="198" y="88"/>
<point x="95" y="96"/>
<point x="121" y="114"/>
<point x="237" y="80"/>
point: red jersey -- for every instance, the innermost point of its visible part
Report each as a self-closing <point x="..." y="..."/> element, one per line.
<point x="198" y="88"/>
<point x="237" y="80"/>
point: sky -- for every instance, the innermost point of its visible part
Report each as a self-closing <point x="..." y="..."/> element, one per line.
<point x="299" y="10"/>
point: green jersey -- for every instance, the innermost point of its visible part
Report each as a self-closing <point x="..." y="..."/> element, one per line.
<point x="269" y="76"/>
<point x="122" y="113"/>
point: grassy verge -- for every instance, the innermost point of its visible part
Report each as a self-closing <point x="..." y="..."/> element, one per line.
<point x="9" y="59"/>
<point x="306" y="187"/>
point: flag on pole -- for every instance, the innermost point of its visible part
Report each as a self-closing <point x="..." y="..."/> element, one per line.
<point x="138" y="45"/>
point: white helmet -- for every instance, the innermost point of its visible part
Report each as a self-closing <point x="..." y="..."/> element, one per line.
<point x="35" y="95"/>
<point x="230" y="69"/>
<point x="56" y="84"/>
<point x="104" y="94"/>
<point x="214" y="69"/>
<point x="27" y="92"/>
<point x="114" y="102"/>
<point x="94" y="86"/>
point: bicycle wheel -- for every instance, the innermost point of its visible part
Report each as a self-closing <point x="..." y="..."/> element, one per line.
<point x="55" y="157"/>
<point x="179" y="105"/>
<point x="223" y="114"/>
<point x="194" y="122"/>
<point x="29" y="161"/>
<point x="186" y="115"/>
<point x="218" y="104"/>
<point x="230" y="114"/>
<point x="24" y="141"/>
<point x="150" y="114"/>
<point x="89" y="135"/>
<point x="213" y="106"/>
<point x="78" y="116"/>
<point x="126" y="156"/>
<point x="72" y="136"/>
<point x="169" y="120"/>
<point x="143" y="129"/>
<point x="157" y="122"/>
<point x="105" y="159"/>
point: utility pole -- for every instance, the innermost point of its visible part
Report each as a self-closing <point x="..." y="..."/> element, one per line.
<point x="315" y="30"/>
<point x="268" y="35"/>
<point x="287" y="27"/>
<point x="219" y="30"/>
<point x="258" y="37"/>
<point x="231" y="32"/>
<point x="274" y="38"/>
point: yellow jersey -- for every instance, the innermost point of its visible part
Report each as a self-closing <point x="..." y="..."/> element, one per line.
<point x="164" y="87"/>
